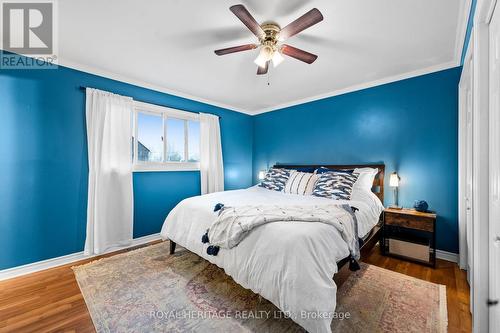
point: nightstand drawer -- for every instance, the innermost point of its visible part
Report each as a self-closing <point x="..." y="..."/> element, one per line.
<point x="410" y="221"/>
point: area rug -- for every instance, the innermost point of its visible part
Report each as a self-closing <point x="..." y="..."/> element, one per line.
<point x="148" y="290"/>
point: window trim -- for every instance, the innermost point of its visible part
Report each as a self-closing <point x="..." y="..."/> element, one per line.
<point x="164" y="113"/>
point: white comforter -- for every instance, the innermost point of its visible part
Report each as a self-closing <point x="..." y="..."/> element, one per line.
<point x="289" y="263"/>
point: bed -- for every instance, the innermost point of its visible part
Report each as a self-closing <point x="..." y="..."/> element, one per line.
<point x="291" y="264"/>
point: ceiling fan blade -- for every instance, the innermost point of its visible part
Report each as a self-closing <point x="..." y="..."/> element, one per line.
<point x="244" y="15"/>
<point x="305" y="21"/>
<point x="263" y="70"/>
<point x="298" y="54"/>
<point x="233" y="49"/>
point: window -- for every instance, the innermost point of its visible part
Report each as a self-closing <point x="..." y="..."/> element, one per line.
<point x="150" y="137"/>
<point x="167" y="139"/>
<point x="176" y="138"/>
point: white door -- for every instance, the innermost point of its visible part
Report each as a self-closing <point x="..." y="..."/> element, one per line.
<point x="468" y="192"/>
<point x="466" y="172"/>
<point x="494" y="170"/>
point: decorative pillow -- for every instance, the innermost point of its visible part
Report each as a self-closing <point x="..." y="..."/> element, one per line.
<point x="365" y="178"/>
<point x="275" y="179"/>
<point x="335" y="185"/>
<point x="301" y="183"/>
<point x="325" y="169"/>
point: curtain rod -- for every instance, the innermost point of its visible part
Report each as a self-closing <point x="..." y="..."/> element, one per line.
<point x="84" y="88"/>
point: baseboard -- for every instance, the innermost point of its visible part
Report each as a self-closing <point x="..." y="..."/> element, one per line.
<point x="67" y="259"/>
<point x="448" y="256"/>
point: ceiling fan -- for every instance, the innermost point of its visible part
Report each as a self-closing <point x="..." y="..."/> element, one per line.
<point x="271" y="36"/>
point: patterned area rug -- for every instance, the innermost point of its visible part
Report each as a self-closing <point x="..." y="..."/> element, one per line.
<point x="148" y="290"/>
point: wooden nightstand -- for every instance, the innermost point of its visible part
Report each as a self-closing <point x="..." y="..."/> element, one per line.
<point x="409" y="234"/>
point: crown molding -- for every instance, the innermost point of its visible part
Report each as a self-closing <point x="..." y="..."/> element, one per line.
<point x="361" y="86"/>
<point x="357" y="87"/>
<point x="143" y="84"/>
<point x="481" y="14"/>
<point x="463" y="20"/>
<point x="461" y="32"/>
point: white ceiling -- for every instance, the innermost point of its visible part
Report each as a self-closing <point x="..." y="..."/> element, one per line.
<point x="168" y="46"/>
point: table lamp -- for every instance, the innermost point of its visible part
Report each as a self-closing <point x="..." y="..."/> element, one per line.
<point x="394" y="182"/>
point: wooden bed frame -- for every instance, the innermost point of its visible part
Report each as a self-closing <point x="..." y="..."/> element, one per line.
<point x="377" y="188"/>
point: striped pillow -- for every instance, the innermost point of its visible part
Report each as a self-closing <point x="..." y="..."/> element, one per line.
<point x="335" y="185"/>
<point x="301" y="183"/>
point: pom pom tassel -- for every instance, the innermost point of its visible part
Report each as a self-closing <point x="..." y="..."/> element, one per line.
<point x="353" y="265"/>
<point x="204" y="238"/>
<point x="218" y="207"/>
<point x="213" y="250"/>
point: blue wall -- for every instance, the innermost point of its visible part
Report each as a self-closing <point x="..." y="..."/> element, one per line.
<point x="43" y="163"/>
<point x="410" y="125"/>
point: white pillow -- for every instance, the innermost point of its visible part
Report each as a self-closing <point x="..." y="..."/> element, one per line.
<point x="366" y="176"/>
<point x="300" y="183"/>
<point x="369" y="198"/>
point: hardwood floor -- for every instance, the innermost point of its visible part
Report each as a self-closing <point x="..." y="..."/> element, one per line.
<point x="50" y="301"/>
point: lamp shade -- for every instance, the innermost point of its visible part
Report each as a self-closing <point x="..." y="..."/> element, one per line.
<point x="265" y="54"/>
<point x="277" y="58"/>
<point x="262" y="174"/>
<point x="394" y="180"/>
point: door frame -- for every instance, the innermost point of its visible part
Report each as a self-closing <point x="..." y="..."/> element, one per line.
<point x="494" y="264"/>
<point x="480" y="315"/>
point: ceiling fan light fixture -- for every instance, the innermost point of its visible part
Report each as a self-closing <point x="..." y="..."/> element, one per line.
<point x="271" y="36"/>
<point x="265" y="54"/>
<point x="277" y="58"/>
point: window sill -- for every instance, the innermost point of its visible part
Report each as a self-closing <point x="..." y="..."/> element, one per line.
<point x="162" y="167"/>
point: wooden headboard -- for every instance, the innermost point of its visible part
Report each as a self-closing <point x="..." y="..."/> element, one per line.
<point x="378" y="182"/>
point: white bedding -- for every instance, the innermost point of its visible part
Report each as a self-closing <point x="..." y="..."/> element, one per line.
<point x="290" y="264"/>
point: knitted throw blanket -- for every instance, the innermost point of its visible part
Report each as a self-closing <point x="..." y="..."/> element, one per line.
<point x="233" y="224"/>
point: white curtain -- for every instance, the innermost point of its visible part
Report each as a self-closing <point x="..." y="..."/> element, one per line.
<point x="110" y="195"/>
<point x="211" y="167"/>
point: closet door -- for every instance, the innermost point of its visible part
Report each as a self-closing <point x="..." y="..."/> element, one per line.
<point x="465" y="171"/>
<point x="468" y="188"/>
<point x="494" y="172"/>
